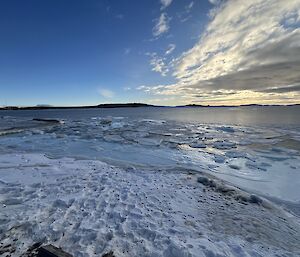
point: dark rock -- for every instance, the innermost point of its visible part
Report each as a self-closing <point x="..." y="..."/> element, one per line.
<point x="35" y="246"/>
<point x="206" y="182"/>
<point x="203" y="180"/>
<point x="224" y="189"/>
<point x="47" y="120"/>
<point x="110" y="254"/>
<point x="249" y="199"/>
<point x="52" y="251"/>
<point x="255" y="199"/>
<point x="242" y="198"/>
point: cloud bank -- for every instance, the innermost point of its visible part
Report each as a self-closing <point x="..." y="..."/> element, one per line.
<point x="249" y="52"/>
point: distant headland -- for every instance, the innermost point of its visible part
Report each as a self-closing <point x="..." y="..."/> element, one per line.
<point x="46" y="107"/>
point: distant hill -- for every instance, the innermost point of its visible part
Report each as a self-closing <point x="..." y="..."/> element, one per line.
<point x="231" y="106"/>
<point x="206" y="106"/>
<point x="123" y="105"/>
<point x="45" y="107"/>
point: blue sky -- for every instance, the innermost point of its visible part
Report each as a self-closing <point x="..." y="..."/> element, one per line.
<point x="78" y="52"/>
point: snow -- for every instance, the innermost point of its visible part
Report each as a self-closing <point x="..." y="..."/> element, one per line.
<point x="90" y="208"/>
<point x="149" y="187"/>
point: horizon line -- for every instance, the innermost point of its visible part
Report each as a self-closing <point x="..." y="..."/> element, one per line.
<point x="132" y="104"/>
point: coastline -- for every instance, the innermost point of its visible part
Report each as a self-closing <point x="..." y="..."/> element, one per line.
<point x="90" y="208"/>
<point x="137" y="105"/>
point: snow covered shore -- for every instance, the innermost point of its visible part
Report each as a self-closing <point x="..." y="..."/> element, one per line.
<point x="90" y="208"/>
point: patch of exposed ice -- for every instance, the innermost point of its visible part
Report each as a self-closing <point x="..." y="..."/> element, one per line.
<point x="156" y="122"/>
<point x="197" y="144"/>
<point x="226" y="129"/>
<point x="224" y="144"/>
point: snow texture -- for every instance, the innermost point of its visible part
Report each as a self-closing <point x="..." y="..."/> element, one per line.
<point x="90" y="208"/>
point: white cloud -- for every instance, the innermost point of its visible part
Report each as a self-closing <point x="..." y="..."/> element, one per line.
<point x="215" y="2"/>
<point x="161" y="26"/>
<point x="165" y="3"/>
<point x="158" y="64"/>
<point x="239" y="30"/>
<point x="189" y="6"/>
<point x="170" y="49"/>
<point x="251" y="46"/>
<point x="106" y="93"/>
<point x="185" y="15"/>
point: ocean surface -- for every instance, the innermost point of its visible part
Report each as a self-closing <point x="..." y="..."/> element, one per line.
<point x="254" y="148"/>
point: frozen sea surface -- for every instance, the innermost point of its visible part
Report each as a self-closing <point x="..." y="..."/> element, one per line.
<point x="262" y="157"/>
<point x="94" y="174"/>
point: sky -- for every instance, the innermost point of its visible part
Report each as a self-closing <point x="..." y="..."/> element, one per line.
<point x="162" y="52"/>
